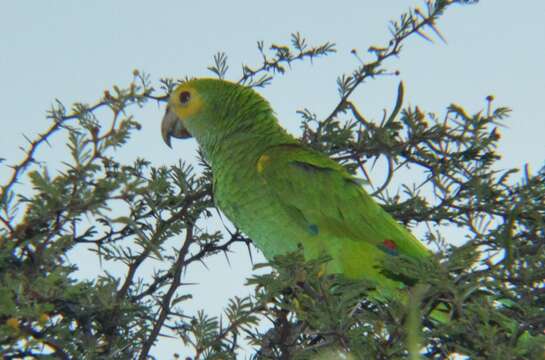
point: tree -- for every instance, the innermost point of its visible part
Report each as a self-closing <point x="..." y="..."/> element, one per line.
<point x="129" y="213"/>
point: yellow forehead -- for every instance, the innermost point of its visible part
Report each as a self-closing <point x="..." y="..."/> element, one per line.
<point x="192" y="107"/>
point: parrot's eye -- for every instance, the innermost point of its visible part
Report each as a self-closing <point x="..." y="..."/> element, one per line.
<point x="185" y="96"/>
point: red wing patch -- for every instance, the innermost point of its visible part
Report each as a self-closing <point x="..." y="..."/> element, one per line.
<point x="390" y="244"/>
<point x="389" y="247"/>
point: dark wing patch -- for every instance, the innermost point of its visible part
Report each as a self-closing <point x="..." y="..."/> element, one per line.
<point x="310" y="167"/>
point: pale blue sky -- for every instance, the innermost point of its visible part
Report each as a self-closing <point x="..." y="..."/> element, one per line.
<point x="74" y="50"/>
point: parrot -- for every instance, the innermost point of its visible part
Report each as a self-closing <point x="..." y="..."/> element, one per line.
<point x="281" y="193"/>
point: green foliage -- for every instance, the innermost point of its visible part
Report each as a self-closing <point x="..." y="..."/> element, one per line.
<point x="491" y="287"/>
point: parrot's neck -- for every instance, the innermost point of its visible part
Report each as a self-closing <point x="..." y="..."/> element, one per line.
<point x="244" y="145"/>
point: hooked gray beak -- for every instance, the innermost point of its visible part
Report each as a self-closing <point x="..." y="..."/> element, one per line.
<point x="171" y="126"/>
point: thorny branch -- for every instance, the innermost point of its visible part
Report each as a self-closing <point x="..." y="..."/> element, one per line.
<point x="45" y="305"/>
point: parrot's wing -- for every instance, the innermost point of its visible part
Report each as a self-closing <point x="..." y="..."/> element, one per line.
<point x="329" y="200"/>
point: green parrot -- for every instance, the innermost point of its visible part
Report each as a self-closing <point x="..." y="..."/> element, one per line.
<point x="281" y="193"/>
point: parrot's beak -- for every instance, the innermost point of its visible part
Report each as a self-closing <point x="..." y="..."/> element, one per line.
<point x="172" y="127"/>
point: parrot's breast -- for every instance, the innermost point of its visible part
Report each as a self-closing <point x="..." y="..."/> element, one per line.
<point x="244" y="198"/>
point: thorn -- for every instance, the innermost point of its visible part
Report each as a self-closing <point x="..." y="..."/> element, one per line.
<point x="223" y="223"/>
<point x="227" y="258"/>
<point x="438" y="33"/>
<point x="431" y="25"/>
<point x="374" y="163"/>
<point x="424" y="36"/>
<point x="204" y="264"/>
<point x="250" y="253"/>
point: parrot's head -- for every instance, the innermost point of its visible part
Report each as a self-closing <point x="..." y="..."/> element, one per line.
<point x="211" y="109"/>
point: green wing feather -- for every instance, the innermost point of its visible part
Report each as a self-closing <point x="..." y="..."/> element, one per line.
<point x="329" y="203"/>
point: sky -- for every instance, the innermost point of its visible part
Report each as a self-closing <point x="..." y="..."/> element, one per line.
<point x="74" y="50"/>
